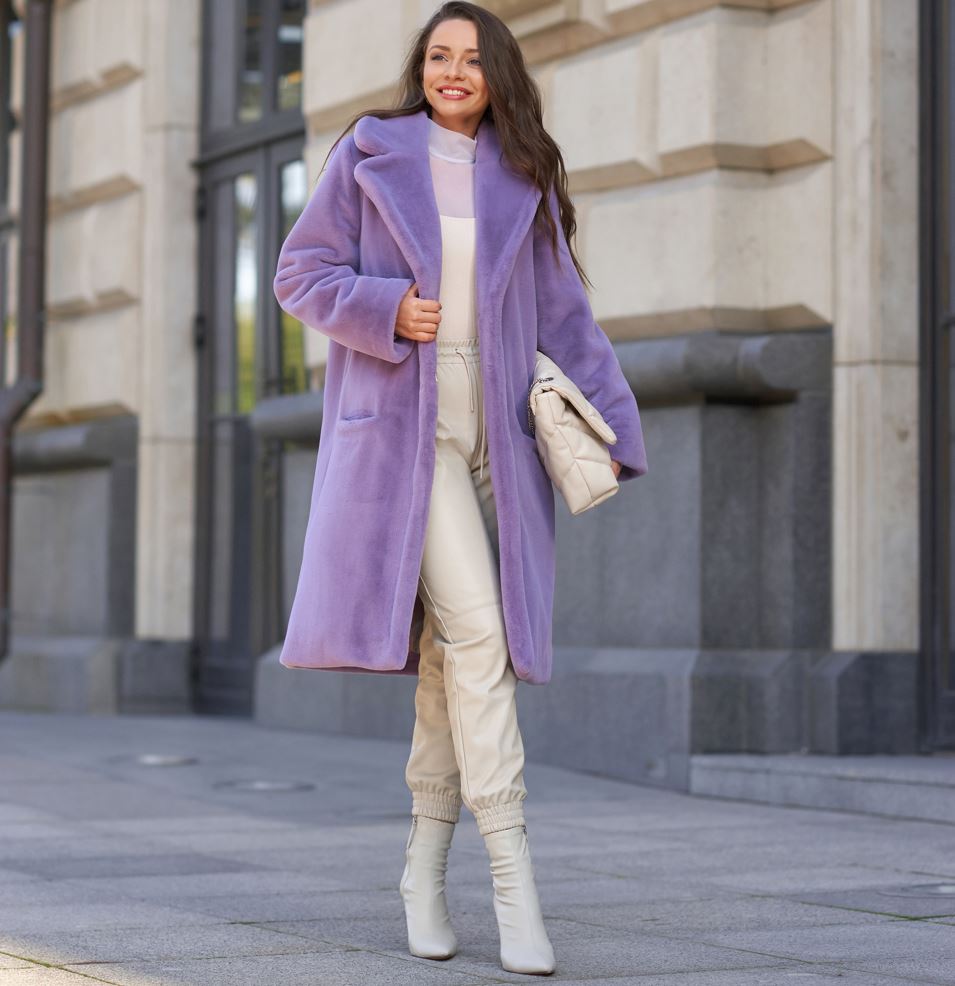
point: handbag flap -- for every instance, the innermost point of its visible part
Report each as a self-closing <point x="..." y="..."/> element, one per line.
<point x="549" y="376"/>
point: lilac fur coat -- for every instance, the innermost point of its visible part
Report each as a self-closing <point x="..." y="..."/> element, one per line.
<point x="369" y="230"/>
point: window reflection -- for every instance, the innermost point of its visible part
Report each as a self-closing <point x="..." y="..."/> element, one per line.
<point x="294" y="192"/>
<point x="9" y="29"/>
<point x="8" y="343"/>
<point x="246" y="291"/>
<point x="250" y="69"/>
<point x="289" y="87"/>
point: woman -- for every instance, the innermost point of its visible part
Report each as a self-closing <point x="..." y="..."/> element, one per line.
<point x="435" y="255"/>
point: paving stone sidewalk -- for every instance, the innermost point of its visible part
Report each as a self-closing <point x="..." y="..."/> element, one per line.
<point x="115" y="871"/>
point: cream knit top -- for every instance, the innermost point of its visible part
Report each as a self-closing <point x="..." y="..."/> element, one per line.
<point x="452" y="156"/>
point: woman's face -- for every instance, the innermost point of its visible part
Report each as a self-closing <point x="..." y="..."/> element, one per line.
<point x="452" y="61"/>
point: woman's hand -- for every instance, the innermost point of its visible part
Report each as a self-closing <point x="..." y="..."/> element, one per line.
<point x="615" y="466"/>
<point x="417" y="318"/>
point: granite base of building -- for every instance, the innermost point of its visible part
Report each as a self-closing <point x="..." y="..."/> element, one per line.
<point x="641" y="715"/>
<point x="95" y="675"/>
<point x="916" y="786"/>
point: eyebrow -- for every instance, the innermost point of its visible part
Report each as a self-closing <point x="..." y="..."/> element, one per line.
<point x="446" y="48"/>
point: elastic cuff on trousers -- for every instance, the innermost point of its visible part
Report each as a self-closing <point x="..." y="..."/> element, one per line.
<point x="499" y="817"/>
<point x="436" y="806"/>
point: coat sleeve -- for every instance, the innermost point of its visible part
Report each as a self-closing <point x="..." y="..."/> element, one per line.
<point x="568" y="334"/>
<point x="317" y="279"/>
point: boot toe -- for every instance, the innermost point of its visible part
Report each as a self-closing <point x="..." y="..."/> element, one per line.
<point x="540" y="964"/>
<point x="433" y="948"/>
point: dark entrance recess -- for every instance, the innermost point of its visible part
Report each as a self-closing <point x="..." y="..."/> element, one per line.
<point x="937" y="369"/>
<point x="252" y="187"/>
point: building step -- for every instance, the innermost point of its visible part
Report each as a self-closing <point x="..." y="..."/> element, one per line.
<point x="917" y="787"/>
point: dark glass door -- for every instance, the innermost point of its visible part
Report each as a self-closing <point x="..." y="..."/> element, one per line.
<point x="252" y="186"/>
<point x="251" y="351"/>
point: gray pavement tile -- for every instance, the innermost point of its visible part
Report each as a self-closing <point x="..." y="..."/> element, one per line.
<point x="219" y="824"/>
<point x="98" y="798"/>
<point x="380" y="932"/>
<point x="104" y="945"/>
<point x="11" y="812"/>
<point x="30" y="769"/>
<point x="37" y="893"/>
<point x="317" y="838"/>
<point x="298" y="907"/>
<point x="34" y="830"/>
<point x="16" y="852"/>
<point x="376" y="861"/>
<point x="336" y="968"/>
<point x="886" y="900"/>
<point x="42" y="976"/>
<point x="181" y="887"/>
<point x="921" y="968"/>
<point x="581" y="951"/>
<point x="852" y="943"/>
<point x="695" y="918"/>
<point x="548" y="842"/>
<point x="116" y="867"/>
<point x="783" y="975"/>
<point x="12" y="961"/>
<point x="796" y="879"/>
<point x="707" y="864"/>
<point x="588" y="891"/>
<point x="115" y="913"/>
<point x="15" y="876"/>
<point x="389" y="933"/>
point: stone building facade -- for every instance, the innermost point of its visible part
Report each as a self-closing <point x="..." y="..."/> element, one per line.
<point x="747" y="176"/>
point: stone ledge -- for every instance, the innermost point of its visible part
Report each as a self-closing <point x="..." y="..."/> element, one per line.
<point x="920" y="787"/>
<point x="95" y="675"/>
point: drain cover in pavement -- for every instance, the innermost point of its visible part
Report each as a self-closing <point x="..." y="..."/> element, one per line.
<point x="164" y="760"/>
<point x="266" y="785"/>
<point x="154" y="759"/>
<point x="922" y="890"/>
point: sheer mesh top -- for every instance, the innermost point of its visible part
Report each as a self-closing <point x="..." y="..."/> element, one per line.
<point x="452" y="157"/>
<point x="452" y="168"/>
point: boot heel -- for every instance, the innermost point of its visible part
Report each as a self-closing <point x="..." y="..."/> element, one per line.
<point x="422" y="888"/>
<point x="525" y="947"/>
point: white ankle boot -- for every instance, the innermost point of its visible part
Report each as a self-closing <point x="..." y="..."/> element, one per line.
<point x="430" y="935"/>
<point x="525" y="946"/>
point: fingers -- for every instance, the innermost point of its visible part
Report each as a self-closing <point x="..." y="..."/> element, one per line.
<point x="425" y="316"/>
<point x="423" y="331"/>
<point x="424" y="304"/>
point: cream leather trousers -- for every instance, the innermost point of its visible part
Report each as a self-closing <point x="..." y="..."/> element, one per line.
<point x="466" y="747"/>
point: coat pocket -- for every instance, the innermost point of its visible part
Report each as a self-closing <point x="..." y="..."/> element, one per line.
<point x="361" y="414"/>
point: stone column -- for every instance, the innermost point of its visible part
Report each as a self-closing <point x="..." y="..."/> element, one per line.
<point x="875" y="373"/>
<point x="166" y="494"/>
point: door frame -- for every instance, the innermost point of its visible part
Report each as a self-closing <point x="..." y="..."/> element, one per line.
<point x="936" y="372"/>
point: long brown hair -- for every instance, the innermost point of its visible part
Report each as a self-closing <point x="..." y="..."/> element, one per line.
<point x="514" y="108"/>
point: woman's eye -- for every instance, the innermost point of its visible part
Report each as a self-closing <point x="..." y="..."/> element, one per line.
<point x="474" y="61"/>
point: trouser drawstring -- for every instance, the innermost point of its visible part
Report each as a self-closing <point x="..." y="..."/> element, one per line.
<point x="472" y="398"/>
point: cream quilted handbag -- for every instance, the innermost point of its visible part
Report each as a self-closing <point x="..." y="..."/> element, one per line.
<point x="572" y="437"/>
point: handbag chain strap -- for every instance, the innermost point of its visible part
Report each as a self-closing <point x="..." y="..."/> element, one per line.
<point x="530" y="413"/>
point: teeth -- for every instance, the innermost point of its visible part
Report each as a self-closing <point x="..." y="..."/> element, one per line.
<point x="455" y="92"/>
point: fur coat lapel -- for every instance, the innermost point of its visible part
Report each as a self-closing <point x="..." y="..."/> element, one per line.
<point x="397" y="178"/>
